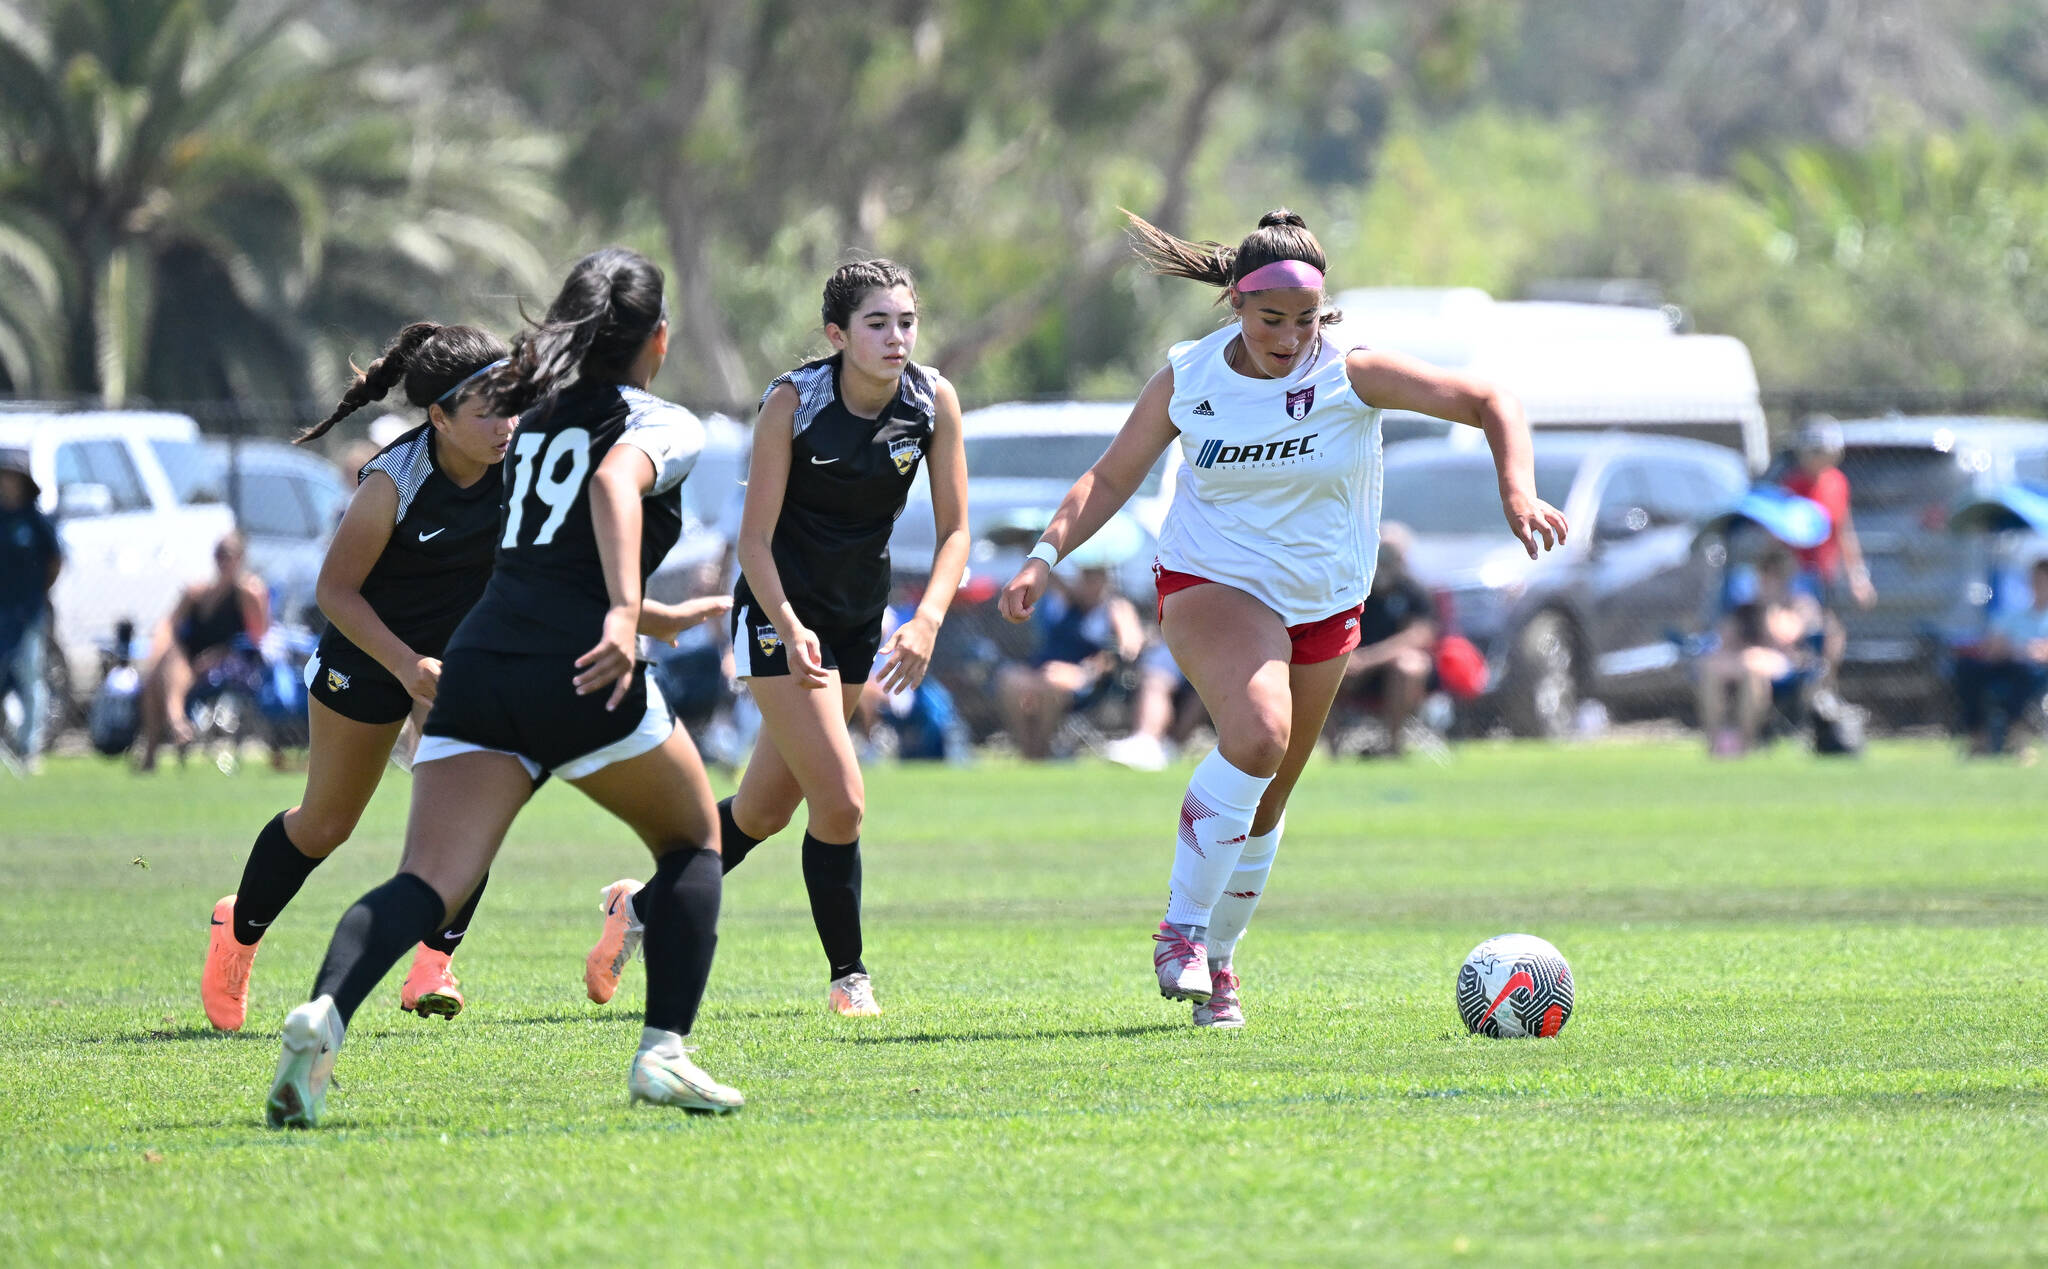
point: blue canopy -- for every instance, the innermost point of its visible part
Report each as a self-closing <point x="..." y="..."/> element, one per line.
<point x="2022" y="505"/>
<point x="1797" y="522"/>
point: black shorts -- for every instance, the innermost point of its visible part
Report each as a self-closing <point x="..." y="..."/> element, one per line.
<point x="525" y="704"/>
<point x="350" y="682"/>
<point x="757" y="651"/>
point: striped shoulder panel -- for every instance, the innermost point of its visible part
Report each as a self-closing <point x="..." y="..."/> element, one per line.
<point x="409" y="462"/>
<point x="921" y="389"/>
<point x="814" y="391"/>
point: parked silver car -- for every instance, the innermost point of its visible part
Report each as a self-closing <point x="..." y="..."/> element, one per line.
<point x="1595" y="617"/>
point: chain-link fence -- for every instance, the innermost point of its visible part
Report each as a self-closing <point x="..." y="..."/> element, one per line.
<point x="1659" y="593"/>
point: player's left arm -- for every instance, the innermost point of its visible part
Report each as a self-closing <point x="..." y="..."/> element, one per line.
<point x="910" y="648"/>
<point x="667" y="622"/>
<point x="1391" y="381"/>
<point x="255" y="600"/>
<point x="1127" y="629"/>
<point x="1860" y="588"/>
<point x="624" y="477"/>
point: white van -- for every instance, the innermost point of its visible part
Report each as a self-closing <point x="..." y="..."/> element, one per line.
<point x="1582" y="366"/>
<point x="137" y="510"/>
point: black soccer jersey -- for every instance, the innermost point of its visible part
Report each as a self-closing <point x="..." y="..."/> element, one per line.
<point x="439" y="557"/>
<point x="848" y="480"/>
<point x="547" y="593"/>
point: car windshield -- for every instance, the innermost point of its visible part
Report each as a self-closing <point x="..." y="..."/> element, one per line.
<point x="1058" y="457"/>
<point x="1457" y="493"/>
<point x="1901" y="477"/>
<point x="196" y="476"/>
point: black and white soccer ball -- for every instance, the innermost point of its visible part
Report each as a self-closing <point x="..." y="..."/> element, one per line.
<point x="1515" y="985"/>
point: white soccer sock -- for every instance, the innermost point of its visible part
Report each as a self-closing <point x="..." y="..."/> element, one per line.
<point x="1233" y="912"/>
<point x="1215" y="818"/>
<point x="661" y="1043"/>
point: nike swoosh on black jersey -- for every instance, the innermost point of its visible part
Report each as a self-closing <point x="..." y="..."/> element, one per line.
<point x="820" y="462"/>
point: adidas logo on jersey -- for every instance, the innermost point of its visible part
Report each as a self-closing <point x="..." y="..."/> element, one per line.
<point x="1205" y="410"/>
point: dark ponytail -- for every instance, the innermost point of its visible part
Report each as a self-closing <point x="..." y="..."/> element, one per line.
<point x="428" y="358"/>
<point x="1282" y="235"/>
<point x="850" y="283"/>
<point x="607" y="310"/>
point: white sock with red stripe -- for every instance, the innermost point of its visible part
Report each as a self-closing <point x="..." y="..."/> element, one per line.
<point x="1233" y="912"/>
<point x="1215" y="819"/>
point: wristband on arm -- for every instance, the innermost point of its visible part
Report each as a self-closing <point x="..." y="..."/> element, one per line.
<point x="1047" y="552"/>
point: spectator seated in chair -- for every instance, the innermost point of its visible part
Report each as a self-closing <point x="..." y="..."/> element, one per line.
<point x="1390" y="671"/>
<point x="2002" y="680"/>
<point x="1770" y="654"/>
<point x="1163" y="717"/>
<point x="1086" y="630"/>
<point x="212" y="622"/>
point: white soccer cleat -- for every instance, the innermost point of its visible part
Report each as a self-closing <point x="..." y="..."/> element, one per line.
<point x="1139" y="752"/>
<point x="1182" y="963"/>
<point x="1222" y="1009"/>
<point x="672" y="1079"/>
<point x="853" y="997"/>
<point x="312" y="1038"/>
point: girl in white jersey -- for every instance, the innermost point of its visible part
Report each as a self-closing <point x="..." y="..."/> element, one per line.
<point x="1266" y="555"/>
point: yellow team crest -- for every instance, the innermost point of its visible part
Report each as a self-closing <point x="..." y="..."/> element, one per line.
<point x="337" y="681"/>
<point x="768" y="638"/>
<point x="904" y="454"/>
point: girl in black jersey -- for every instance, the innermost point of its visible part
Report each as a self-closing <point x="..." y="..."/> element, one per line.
<point x="542" y="677"/>
<point x="411" y="555"/>
<point x="836" y="446"/>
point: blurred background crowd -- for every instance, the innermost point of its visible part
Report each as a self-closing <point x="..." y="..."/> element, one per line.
<point x="1771" y="280"/>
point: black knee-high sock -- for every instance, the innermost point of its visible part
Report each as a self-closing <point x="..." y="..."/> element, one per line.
<point x="832" y="875"/>
<point x="733" y="845"/>
<point x="270" y="879"/>
<point x="372" y="936"/>
<point x="681" y="913"/>
<point x="449" y="937"/>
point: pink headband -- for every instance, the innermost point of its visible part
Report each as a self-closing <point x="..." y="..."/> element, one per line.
<point x="1269" y="277"/>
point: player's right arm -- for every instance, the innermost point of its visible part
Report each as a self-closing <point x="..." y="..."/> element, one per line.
<point x="1101" y="491"/>
<point x="358" y="542"/>
<point x="767" y="481"/>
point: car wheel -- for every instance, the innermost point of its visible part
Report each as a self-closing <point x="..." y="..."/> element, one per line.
<point x="1541" y="694"/>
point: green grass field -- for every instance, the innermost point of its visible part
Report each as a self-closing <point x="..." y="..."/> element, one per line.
<point x="1809" y="1029"/>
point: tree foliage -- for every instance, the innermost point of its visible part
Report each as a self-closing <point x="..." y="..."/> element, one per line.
<point x="209" y="199"/>
<point x="214" y="198"/>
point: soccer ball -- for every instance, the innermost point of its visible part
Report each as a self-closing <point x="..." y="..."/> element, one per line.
<point x="1515" y="985"/>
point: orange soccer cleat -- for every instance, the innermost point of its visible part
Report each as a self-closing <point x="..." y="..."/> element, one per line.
<point x="224" y="983"/>
<point x="616" y="945"/>
<point x="853" y="996"/>
<point x="430" y="989"/>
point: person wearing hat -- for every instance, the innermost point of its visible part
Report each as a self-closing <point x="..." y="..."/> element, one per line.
<point x="1817" y="474"/>
<point x="30" y="559"/>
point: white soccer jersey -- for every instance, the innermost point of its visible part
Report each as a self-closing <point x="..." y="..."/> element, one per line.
<point x="1279" y="485"/>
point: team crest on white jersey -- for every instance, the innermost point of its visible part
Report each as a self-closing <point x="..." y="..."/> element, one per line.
<point x="1300" y="401"/>
<point x="904" y="454"/>
<point x="769" y="638"/>
<point x="337" y="681"/>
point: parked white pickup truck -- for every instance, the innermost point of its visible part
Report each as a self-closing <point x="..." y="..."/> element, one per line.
<point x="136" y="523"/>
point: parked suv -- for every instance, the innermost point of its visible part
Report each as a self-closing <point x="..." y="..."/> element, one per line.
<point x="1595" y="617"/>
<point x="136" y="528"/>
<point x="1905" y="474"/>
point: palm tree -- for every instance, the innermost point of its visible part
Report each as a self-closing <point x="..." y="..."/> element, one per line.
<point x="211" y="201"/>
